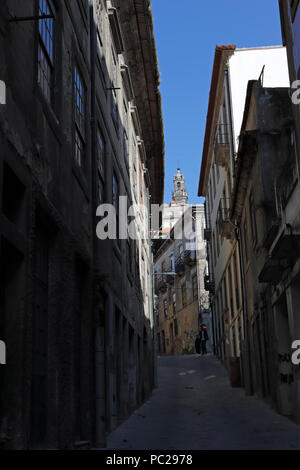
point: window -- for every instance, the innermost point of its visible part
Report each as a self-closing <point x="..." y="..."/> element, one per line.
<point x="100" y="165"/>
<point x="46" y="51"/>
<point x="79" y="118"/>
<point x="183" y="294"/>
<point x="195" y="287"/>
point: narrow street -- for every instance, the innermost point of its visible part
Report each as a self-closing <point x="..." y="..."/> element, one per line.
<point x="194" y="407"/>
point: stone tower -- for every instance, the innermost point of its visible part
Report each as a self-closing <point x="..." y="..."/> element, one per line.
<point x="179" y="195"/>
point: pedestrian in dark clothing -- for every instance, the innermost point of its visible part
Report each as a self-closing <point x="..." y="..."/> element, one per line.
<point x="203" y="338"/>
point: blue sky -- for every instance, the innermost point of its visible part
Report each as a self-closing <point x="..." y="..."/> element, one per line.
<point x="186" y="34"/>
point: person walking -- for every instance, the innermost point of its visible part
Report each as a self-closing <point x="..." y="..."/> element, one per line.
<point x="203" y="338"/>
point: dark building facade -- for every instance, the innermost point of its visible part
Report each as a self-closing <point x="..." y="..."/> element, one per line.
<point x="269" y="243"/>
<point x="75" y="312"/>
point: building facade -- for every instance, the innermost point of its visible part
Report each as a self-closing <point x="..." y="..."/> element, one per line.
<point x="267" y="152"/>
<point x="180" y="263"/>
<point x="232" y="70"/>
<point x="78" y="130"/>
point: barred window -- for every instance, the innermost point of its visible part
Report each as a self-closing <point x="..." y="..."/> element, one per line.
<point x="79" y="117"/>
<point x="46" y="51"/>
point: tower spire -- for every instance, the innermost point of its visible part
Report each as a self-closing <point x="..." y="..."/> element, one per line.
<point x="179" y="195"/>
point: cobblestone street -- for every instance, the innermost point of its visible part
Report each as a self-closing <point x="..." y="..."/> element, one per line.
<point x="194" y="407"/>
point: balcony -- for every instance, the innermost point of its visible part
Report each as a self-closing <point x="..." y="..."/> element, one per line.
<point x="179" y="266"/>
<point x="209" y="284"/>
<point x="286" y="246"/>
<point x="272" y="232"/>
<point x="226" y="227"/>
<point x="222" y="145"/>
<point x="287" y="181"/>
<point x="190" y="257"/>
<point x="271" y="272"/>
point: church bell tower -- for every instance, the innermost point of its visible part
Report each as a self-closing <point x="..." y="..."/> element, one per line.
<point x="179" y="195"/>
